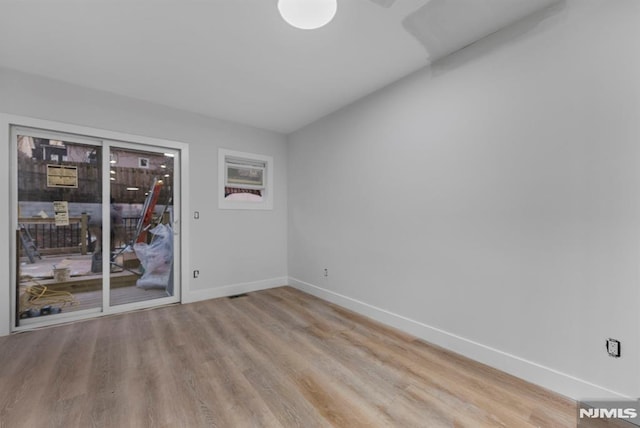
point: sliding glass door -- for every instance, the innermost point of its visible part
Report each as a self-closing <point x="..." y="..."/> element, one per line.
<point x="95" y="226"/>
<point x="142" y="218"/>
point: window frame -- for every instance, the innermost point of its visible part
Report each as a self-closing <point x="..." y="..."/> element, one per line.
<point x="252" y="160"/>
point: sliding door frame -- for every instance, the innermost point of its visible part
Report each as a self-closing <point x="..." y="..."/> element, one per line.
<point x="106" y="139"/>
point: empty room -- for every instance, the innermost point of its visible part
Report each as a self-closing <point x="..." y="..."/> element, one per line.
<point x="279" y="213"/>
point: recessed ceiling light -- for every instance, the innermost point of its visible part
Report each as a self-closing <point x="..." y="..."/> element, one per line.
<point x="307" y="14"/>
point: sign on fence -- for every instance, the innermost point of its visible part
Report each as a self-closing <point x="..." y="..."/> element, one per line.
<point x="62" y="176"/>
<point x="61" y="211"/>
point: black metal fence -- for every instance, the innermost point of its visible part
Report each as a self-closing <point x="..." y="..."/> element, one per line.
<point x="129" y="226"/>
<point x="50" y="238"/>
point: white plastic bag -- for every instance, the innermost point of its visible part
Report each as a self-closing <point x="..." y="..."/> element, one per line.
<point x="156" y="258"/>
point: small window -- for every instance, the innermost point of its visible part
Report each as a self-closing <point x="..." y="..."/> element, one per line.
<point x="92" y="157"/>
<point x="245" y="180"/>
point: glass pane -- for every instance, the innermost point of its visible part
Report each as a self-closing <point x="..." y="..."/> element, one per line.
<point x="141" y="225"/>
<point x="244" y="175"/>
<point x="58" y="231"/>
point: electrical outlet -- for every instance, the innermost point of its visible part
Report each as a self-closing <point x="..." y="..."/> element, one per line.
<point x="196" y="273"/>
<point x="196" y="215"/>
<point x="613" y="348"/>
<point x="326" y="272"/>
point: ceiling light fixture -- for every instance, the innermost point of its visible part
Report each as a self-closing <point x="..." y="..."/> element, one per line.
<point x="307" y="14"/>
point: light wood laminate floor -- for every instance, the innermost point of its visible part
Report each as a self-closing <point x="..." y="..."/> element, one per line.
<point x="275" y="358"/>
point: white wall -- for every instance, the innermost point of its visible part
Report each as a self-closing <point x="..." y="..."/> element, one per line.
<point x="235" y="251"/>
<point x="490" y="204"/>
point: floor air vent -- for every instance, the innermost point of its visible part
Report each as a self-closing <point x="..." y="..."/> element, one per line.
<point x="235" y="296"/>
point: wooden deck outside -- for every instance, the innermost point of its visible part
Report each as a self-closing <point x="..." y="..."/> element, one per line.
<point x="84" y="286"/>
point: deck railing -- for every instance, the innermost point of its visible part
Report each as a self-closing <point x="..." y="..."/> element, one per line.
<point x="78" y="237"/>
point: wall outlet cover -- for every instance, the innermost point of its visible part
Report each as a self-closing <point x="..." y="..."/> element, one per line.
<point x="613" y="347"/>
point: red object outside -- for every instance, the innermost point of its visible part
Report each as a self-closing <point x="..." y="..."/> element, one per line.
<point x="147" y="216"/>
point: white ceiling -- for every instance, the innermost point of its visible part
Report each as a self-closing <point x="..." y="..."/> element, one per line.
<point x="237" y="59"/>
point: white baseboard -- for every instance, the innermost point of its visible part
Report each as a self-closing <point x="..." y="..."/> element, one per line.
<point x="190" y="296"/>
<point x="546" y="377"/>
